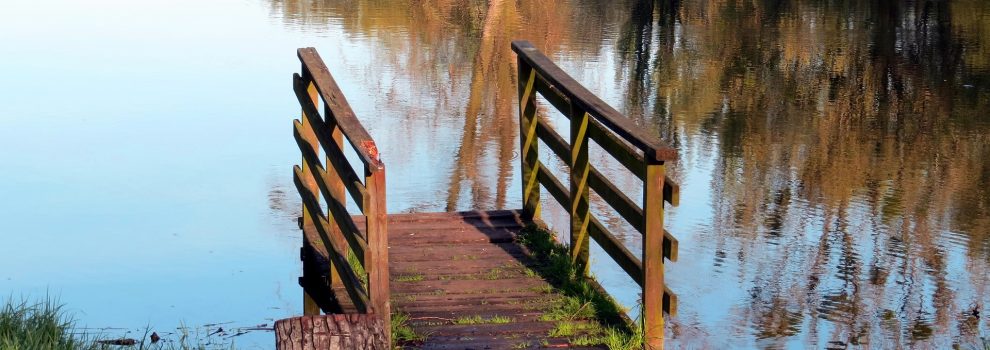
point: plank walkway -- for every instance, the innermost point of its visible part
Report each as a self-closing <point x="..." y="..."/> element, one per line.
<point x="461" y="277"/>
<point x="447" y="269"/>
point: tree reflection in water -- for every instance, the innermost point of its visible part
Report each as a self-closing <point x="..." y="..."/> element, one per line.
<point x="843" y="143"/>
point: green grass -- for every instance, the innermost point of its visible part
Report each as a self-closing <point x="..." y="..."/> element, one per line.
<point x="402" y="334"/>
<point x="410" y="278"/>
<point x="562" y="329"/>
<point x="38" y="325"/>
<point x="358" y="267"/>
<point x="581" y="298"/>
<point x="481" y="320"/>
<point x="494" y="274"/>
<point x="45" y="325"/>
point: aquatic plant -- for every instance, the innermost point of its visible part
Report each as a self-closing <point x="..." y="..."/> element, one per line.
<point x="38" y="325"/>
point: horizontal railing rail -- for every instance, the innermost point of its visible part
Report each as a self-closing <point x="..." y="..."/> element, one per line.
<point x="591" y="119"/>
<point x="358" y="262"/>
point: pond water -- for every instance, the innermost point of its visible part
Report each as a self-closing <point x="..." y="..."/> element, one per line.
<point x="835" y="188"/>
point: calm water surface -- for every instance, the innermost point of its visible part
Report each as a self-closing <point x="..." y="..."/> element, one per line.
<point x="835" y="188"/>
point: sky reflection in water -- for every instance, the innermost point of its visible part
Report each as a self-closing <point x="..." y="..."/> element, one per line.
<point x="834" y="187"/>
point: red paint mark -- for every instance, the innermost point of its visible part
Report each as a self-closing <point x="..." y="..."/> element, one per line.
<point x="370" y="147"/>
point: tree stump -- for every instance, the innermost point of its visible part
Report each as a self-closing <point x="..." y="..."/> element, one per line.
<point x="337" y="331"/>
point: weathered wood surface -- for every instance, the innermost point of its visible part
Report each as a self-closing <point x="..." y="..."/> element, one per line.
<point x="591" y="119"/>
<point x="566" y="85"/>
<point x="331" y="332"/>
<point x="332" y="237"/>
<point x="336" y="104"/>
<point x="446" y="267"/>
<point x="451" y="266"/>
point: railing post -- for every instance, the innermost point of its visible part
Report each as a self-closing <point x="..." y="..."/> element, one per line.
<point x="308" y="225"/>
<point x="653" y="284"/>
<point x="529" y="151"/>
<point x="580" y="193"/>
<point x="336" y="187"/>
<point x="376" y="258"/>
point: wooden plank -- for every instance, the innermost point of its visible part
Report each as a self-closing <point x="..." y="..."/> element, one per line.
<point x="620" y="202"/>
<point x="631" y="159"/>
<point x="629" y="210"/>
<point x="327" y="139"/>
<point x="338" y="260"/>
<point x="617" y="251"/>
<point x="552" y="139"/>
<point x="438" y="287"/>
<point x="670" y="246"/>
<point x="343" y="224"/>
<point x="518" y="298"/>
<point x="466" y="223"/>
<point x="515" y="214"/>
<point x="529" y="329"/>
<point x="556" y="190"/>
<point x="465" y="271"/>
<point x="313" y="165"/>
<point x="364" y="145"/>
<point x="669" y="301"/>
<point x="498" y="342"/>
<point x="628" y="156"/>
<point x="460" y="251"/>
<point x="305" y="131"/>
<point x="453" y="253"/>
<point x="376" y="261"/>
<point x="555" y="97"/>
<point x="626" y="208"/>
<point x="455" y="236"/>
<point x="671" y="192"/>
<point x="554" y="187"/>
<point x="471" y="310"/>
<point x="587" y="101"/>
<point x="336" y="186"/>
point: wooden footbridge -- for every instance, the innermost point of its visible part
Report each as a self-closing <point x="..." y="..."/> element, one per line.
<point x="468" y="280"/>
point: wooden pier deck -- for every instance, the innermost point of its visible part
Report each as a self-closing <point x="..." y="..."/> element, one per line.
<point x="465" y="283"/>
<point x="463" y="280"/>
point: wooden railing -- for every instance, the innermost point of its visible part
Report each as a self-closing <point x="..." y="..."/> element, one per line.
<point x="644" y="155"/>
<point x="333" y="233"/>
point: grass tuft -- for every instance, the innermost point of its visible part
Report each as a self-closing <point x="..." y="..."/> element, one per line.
<point x="466" y="320"/>
<point x="38" y="325"/>
<point x="409" y="278"/>
<point x="582" y="300"/>
<point x="402" y="333"/>
<point x="358" y="267"/>
<point x="45" y="325"/>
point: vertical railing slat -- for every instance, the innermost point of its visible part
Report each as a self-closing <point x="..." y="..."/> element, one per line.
<point x="376" y="260"/>
<point x="309" y="181"/>
<point x="529" y="148"/>
<point x="580" y="209"/>
<point x="336" y="187"/>
<point x="653" y="284"/>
